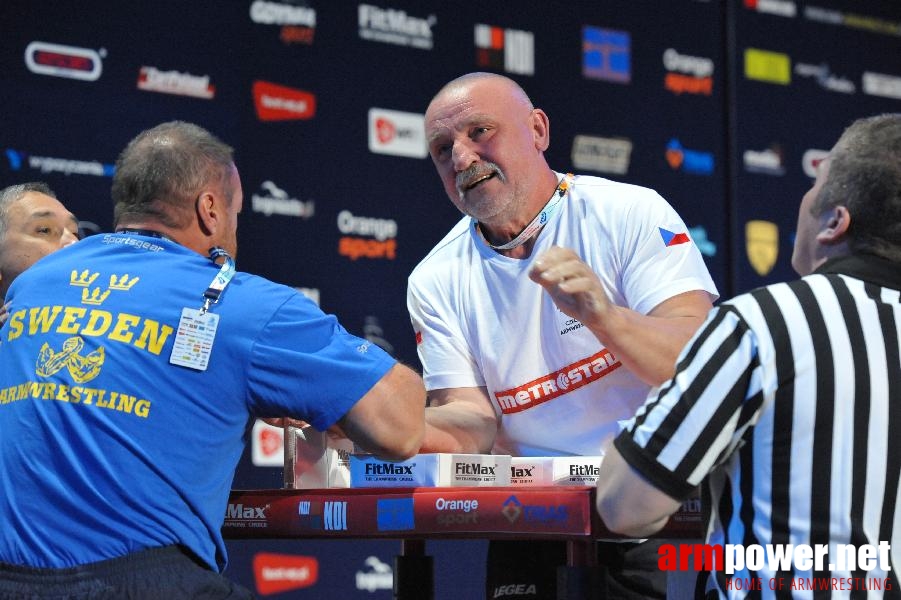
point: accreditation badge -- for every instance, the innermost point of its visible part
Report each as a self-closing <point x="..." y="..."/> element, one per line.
<point x="194" y="339"/>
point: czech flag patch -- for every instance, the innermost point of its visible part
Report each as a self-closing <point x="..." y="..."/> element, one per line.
<point x="671" y="238"/>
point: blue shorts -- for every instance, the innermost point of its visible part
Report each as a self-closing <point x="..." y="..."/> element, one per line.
<point x="169" y="572"/>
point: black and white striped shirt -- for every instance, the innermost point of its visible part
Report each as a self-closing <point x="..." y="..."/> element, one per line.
<point x="788" y="402"/>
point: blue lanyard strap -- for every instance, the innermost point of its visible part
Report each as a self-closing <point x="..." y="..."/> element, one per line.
<point x="222" y="279"/>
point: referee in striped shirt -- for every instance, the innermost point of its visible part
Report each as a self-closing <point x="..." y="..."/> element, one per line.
<point x="786" y="405"/>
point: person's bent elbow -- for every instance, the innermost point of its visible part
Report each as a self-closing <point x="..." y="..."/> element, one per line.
<point x="404" y="446"/>
<point x="389" y="421"/>
<point x="621" y="519"/>
<point x="400" y="441"/>
<point x="629" y="504"/>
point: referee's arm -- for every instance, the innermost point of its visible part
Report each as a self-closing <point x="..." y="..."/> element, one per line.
<point x="628" y="503"/>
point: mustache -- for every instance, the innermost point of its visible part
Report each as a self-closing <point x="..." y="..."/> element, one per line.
<point x="475" y="172"/>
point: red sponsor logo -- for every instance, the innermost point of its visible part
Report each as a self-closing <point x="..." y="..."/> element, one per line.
<point x="292" y="34"/>
<point x="58" y="60"/>
<point x="679" y="83"/>
<point x="270" y="441"/>
<point x="277" y="573"/>
<point x="357" y="247"/>
<point x="811" y="161"/>
<point x="418" y="337"/>
<point x="553" y="385"/>
<point x="275" y="102"/>
<point x="385" y="130"/>
<point x="174" y="82"/>
<point x="63" y="61"/>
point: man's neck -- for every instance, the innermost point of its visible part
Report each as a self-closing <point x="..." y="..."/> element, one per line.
<point x="504" y="229"/>
<point x="179" y="236"/>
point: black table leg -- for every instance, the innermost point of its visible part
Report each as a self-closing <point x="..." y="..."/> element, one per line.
<point x="413" y="572"/>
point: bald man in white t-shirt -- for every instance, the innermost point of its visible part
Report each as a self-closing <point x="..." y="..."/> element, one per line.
<point x="546" y="314"/>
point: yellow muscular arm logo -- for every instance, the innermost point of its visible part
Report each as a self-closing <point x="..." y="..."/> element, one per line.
<point x="81" y="368"/>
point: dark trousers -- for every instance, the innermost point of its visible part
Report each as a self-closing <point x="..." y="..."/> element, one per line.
<point x="153" y="574"/>
<point x="527" y="570"/>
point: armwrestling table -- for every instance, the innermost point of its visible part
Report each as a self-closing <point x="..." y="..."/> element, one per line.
<point x="413" y="515"/>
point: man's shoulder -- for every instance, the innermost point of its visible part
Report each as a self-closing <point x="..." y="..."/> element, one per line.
<point x="607" y="198"/>
<point x="96" y="256"/>
<point x="262" y="289"/>
<point x="592" y="184"/>
<point x="456" y="240"/>
<point x="766" y="299"/>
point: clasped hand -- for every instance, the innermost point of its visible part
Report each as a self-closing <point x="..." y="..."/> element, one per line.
<point x="574" y="287"/>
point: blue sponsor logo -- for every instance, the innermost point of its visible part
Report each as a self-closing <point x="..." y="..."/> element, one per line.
<point x="395" y="514"/>
<point x="699" y="235"/>
<point x="49" y="164"/>
<point x="513" y="509"/>
<point x="689" y="161"/>
<point x="14" y="158"/>
<point x="606" y="54"/>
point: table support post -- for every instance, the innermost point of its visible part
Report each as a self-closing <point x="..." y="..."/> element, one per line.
<point x="580" y="578"/>
<point x="413" y="572"/>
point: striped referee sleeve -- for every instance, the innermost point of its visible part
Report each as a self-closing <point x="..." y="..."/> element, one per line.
<point x="794" y="391"/>
<point x="698" y="417"/>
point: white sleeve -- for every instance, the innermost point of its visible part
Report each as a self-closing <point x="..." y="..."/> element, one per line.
<point x="446" y="357"/>
<point x="659" y="258"/>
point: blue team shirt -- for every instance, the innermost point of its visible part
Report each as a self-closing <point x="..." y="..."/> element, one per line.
<point x="105" y="447"/>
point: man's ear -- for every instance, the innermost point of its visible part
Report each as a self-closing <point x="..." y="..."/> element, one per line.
<point x="207" y="213"/>
<point x="541" y="129"/>
<point x="835" y="224"/>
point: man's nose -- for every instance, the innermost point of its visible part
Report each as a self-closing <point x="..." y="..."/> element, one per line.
<point x="68" y="238"/>
<point x="463" y="156"/>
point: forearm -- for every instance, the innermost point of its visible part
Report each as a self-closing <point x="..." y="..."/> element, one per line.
<point x="406" y="413"/>
<point x="639" y="530"/>
<point x="451" y="428"/>
<point x="647" y="345"/>
<point x="628" y="503"/>
<point x="388" y="420"/>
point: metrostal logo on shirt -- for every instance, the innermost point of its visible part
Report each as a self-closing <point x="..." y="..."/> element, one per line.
<point x="555" y="384"/>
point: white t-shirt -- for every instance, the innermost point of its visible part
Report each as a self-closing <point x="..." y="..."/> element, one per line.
<point x="480" y="321"/>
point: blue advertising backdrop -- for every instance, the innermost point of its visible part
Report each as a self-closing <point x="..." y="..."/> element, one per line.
<point x="723" y="106"/>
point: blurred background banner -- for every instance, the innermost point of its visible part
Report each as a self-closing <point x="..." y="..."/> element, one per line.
<point x="723" y="106"/>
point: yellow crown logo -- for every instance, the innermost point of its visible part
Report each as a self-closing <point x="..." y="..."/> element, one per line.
<point x="84" y="279"/>
<point x="94" y="297"/>
<point x="122" y="283"/>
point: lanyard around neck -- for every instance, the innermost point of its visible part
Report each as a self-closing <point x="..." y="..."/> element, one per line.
<point x="222" y="279"/>
<point x="540" y="219"/>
